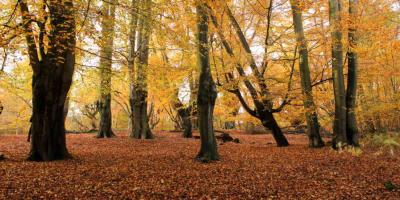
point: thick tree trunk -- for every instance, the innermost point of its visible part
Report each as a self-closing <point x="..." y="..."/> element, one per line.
<point x="187" y="124"/>
<point x="351" y="125"/>
<point x="269" y="122"/>
<point x="309" y="106"/>
<point x="207" y="93"/>
<point x="107" y="24"/>
<point x="184" y="115"/>
<point x="47" y="129"/>
<point x="339" y="127"/>
<point x="105" y="128"/>
<point x="51" y="81"/>
<point x="141" y="128"/>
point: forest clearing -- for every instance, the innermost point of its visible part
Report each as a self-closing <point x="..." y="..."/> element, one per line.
<point x="164" y="168"/>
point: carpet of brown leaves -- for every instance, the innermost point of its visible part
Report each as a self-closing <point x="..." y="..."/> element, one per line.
<point x="164" y="168"/>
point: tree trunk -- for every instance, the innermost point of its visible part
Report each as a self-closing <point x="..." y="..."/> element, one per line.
<point x="207" y="93"/>
<point x="1" y="107"/>
<point x="184" y="115"/>
<point x="47" y="129"/>
<point x="131" y="62"/>
<point x="351" y="125"/>
<point x="107" y="24"/>
<point x="141" y="128"/>
<point x="269" y="122"/>
<point x="51" y="81"/>
<point x="309" y="106"/>
<point x="339" y="127"/>
<point x="262" y="98"/>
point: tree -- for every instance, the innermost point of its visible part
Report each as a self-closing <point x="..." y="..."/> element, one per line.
<point x="351" y="94"/>
<point x="207" y="93"/>
<point x="310" y="108"/>
<point x="106" y="44"/>
<point x="339" y="127"/>
<point x="90" y="111"/>
<point x="345" y="124"/>
<point x="1" y="107"/>
<point x="138" y="97"/>
<point x="52" y="58"/>
<point x="131" y="62"/>
<point x="261" y="97"/>
<point x="184" y="113"/>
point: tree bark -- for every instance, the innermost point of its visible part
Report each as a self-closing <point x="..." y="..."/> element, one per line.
<point x="184" y="114"/>
<point x="1" y="107"/>
<point x="339" y="127"/>
<point x="207" y="93"/>
<point x="141" y="128"/>
<point x="107" y="42"/>
<point x="269" y="122"/>
<point x="351" y="124"/>
<point x="52" y="77"/>
<point x="131" y="61"/>
<point x="314" y="136"/>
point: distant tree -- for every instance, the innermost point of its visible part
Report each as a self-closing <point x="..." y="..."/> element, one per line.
<point x="351" y="94"/>
<point x="106" y="51"/>
<point x="131" y="62"/>
<point x="139" y="93"/>
<point x="52" y="58"/>
<point x="207" y="93"/>
<point x="91" y="111"/>
<point x="309" y="105"/>
<point x="184" y="114"/>
<point x="1" y="107"/>
<point x="339" y="127"/>
<point x="345" y="125"/>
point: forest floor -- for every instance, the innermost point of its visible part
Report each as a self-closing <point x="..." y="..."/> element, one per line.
<point x="164" y="168"/>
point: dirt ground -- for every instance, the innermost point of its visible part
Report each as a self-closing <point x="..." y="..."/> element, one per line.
<point x="164" y="168"/>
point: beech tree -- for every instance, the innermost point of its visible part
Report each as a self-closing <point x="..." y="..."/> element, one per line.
<point x="309" y="105"/>
<point x="131" y="61"/>
<point x="339" y="126"/>
<point x="345" y="123"/>
<point x="351" y="94"/>
<point x="52" y="58"/>
<point x="138" y="91"/>
<point x="207" y="93"/>
<point x="257" y="88"/>
<point x="184" y="113"/>
<point x="106" y="52"/>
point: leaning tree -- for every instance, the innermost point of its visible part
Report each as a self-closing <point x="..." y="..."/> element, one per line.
<point x="52" y="58"/>
<point x="255" y="82"/>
